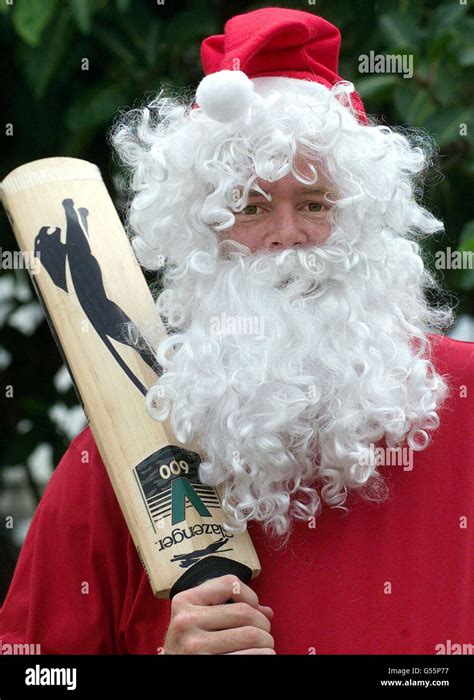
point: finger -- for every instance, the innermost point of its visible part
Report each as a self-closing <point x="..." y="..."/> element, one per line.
<point x="252" y="651"/>
<point x="224" y="641"/>
<point x="267" y="611"/>
<point x="217" y="591"/>
<point x="225" y="617"/>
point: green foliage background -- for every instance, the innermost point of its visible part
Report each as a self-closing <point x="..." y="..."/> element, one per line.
<point x="57" y="108"/>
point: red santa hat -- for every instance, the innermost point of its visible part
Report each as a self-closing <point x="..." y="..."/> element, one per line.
<point x="270" y="48"/>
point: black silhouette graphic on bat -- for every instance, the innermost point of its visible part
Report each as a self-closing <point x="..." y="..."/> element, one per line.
<point x="186" y="560"/>
<point x="105" y="315"/>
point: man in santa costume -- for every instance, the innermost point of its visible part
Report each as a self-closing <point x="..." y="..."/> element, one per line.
<point x="305" y="361"/>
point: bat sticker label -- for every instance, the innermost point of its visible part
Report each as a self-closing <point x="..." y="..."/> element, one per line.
<point x="169" y="484"/>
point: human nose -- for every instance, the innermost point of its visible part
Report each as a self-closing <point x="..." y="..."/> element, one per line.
<point x="285" y="231"/>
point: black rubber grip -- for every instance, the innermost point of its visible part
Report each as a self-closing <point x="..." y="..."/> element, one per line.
<point x="210" y="567"/>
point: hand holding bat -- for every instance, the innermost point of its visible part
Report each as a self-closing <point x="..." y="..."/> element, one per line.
<point x="201" y="623"/>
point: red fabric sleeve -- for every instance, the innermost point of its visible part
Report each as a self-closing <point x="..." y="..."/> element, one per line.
<point x="70" y="581"/>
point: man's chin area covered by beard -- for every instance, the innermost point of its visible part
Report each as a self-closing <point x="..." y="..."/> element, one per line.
<point x="287" y="366"/>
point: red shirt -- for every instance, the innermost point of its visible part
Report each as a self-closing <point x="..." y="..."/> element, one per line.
<point x="389" y="578"/>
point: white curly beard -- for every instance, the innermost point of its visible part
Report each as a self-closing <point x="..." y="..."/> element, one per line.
<point x="289" y="366"/>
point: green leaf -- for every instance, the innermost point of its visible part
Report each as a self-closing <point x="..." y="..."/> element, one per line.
<point x="40" y="64"/>
<point x="31" y="17"/>
<point x="376" y="87"/>
<point x="115" y="44"/>
<point x="444" y="17"/>
<point x="82" y="12"/>
<point x="466" y="30"/>
<point x="445" y="124"/>
<point x="469" y="165"/>
<point x="466" y="56"/>
<point x="95" y="106"/>
<point x="466" y="239"/>
<point x="122" y="5"/>
<point x="145" y="40"/>
<point x="190" y="25"/>
<point x="449" y="83"/>
<point x="150" y="44"/>
<point x="399" y="31"/>
<point x="414" y="105"/>
<point x="439" y="46"/>
<point x="465" y="278"/>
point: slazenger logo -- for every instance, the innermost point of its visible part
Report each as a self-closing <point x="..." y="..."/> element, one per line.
<point x="169" y="483"/>
<point x="179" y="534"/>
<point x="190" y="558"/>
<point x="40" y="675"/>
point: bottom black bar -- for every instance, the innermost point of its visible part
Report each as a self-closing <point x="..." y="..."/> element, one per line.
<point x="151" y="676"/>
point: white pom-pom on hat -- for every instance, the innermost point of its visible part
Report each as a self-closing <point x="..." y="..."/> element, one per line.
<point x="225" y="95"/>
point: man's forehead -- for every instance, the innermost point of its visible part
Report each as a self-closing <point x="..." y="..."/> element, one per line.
<point x="290" y="183"/>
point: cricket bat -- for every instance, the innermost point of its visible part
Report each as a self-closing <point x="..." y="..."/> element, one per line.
<point x="90" y="286"/>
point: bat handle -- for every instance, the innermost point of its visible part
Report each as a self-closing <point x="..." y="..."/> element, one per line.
<point x="211" y="567"/>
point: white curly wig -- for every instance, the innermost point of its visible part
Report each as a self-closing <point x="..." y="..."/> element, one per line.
<point x="285" y="421"/>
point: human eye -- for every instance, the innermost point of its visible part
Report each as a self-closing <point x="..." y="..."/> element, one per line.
<point x="249" y="210"/>
<point x="317" y="207"/>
